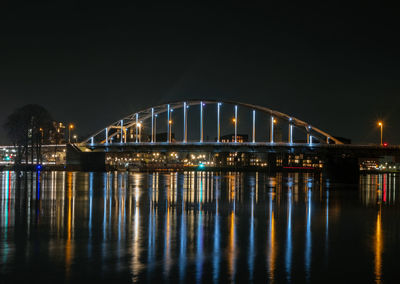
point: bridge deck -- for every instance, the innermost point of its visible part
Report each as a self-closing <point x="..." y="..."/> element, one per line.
<point x="257" y="147"/>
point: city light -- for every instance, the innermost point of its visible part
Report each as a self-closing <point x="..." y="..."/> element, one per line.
<point x="70" y="127"/>
<point x="380" y="124"/>
<point x="170" y="130"/>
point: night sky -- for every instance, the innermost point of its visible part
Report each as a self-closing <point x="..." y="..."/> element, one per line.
<point x="336" y="67"/>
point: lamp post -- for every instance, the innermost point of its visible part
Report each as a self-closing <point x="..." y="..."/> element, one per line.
<point x="155" y="128"/>
<point x="41" y="135"/>
<point x="139" y="126"/>
<point x="70" y="127"/>
<point x="170" y="131"/>
<point x="236" y="119"/>
<point x="380" y="123"/>
<point x="235" y="135"/>
<point x="75" y="138"/>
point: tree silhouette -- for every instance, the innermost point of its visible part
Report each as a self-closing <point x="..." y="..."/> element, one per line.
<point x="28" y="128"/>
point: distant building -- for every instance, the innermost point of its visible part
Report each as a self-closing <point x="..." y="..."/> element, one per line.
<point x="57" y="135"/>
<point x="231" y="138"/>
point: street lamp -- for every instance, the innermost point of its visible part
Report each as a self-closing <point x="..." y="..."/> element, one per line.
<point x="70" y="127"/>
<point x="75" y="137"/>
<point x="380" y="123"/>
<point x="170" y="130"/>
<point x="139" y="125"/>
<point x="41" y="135"/>
<point x="235" y="123"/>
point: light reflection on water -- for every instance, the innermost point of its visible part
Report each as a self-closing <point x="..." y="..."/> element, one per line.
<point x="197" y="226"/>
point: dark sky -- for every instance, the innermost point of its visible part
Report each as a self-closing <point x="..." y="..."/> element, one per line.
<point x="336" y="67"/>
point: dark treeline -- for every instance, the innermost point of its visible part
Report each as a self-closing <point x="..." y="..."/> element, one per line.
<point x="28" y="128"/>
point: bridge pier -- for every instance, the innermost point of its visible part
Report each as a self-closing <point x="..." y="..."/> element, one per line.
<point x="342" y="169"/>
<point x="84" y="161"/>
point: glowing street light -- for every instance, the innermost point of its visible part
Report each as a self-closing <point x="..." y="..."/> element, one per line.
<point x="139" y="126"/>
<point x="136" y="130"/>
<point x="380" y="124"/>
<point x="41" y="135"/>
<point x="170" y="129"/>
<point x="70" y="127"/>
<point x="234" y="121"/>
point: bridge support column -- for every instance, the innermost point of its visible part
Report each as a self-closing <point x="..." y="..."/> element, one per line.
<point x="170" y="125"/>
<point x="271" y="135"/>
<point x="290" y="133"/>
<point x="136" y="126"/>
<point x="168" y="122"/>
<point x="84" y="161"/>
<point x="184" y="122"/>
<point x="236" y="121"/>
<point x="106" y="135"/>
<point x="152" y="125"/>
<point x="254" y="126"/>
<point x="201" y="122"/>
<point x="218" y="123"/>
<point x="122" y="130"/>
<point x="309" y="137"/>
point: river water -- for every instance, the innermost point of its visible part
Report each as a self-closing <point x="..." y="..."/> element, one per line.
<point x="204" y="227"/>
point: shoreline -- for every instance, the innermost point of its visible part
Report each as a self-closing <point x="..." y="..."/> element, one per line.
<point x="75" y="168"/>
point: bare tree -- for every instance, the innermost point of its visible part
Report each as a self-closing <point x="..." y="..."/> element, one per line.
<point x="28" y="128"/>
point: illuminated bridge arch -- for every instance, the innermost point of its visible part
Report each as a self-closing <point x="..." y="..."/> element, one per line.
<point x="134" y="122"/>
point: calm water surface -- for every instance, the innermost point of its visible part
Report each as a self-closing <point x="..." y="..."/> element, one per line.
<point x="198" y="227"/>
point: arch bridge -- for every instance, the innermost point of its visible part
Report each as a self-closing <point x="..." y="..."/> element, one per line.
<point x="117" y="133"/>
